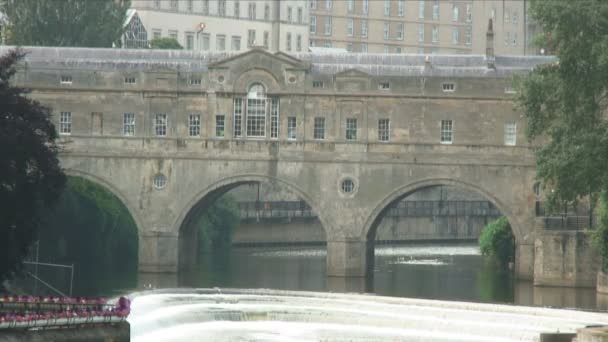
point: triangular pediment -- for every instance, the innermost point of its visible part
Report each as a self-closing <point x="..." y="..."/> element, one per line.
<point x="257" y="56"/>
<point x="352" y="73"/>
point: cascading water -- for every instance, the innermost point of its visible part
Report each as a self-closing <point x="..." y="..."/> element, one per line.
<point x="272" y="315"/>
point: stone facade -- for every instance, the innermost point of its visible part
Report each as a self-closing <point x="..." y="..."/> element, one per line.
<point x="125" y="119"/>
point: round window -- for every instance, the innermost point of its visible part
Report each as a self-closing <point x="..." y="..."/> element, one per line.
<point x="220" y="79"/>
<point x="348" y="186"/>
<point x="292" y="79"/>
<point x="160" y="181"/>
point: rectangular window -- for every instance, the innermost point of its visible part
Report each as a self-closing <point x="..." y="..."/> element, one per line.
<point x="250" y="38"/>
<point x="448" y="87"/>
<point x="436" y="11"/>
<point x="65" y="79"/>
<point x="219" y="126"/>
<point x="327" y="25"/>
<point x="507" y="17"/>
<point x="274" y="118"/>
<point x="364" y="47"/>
<point x="160" y="125"/>
<point x="65" y="123"/>
<point x="446" y="131"/>
<point x="190" y="5"/>
<point x="386" y="49"/>
<point x="455" y="12"/>
<point x="300" y="15"/>
<point x="515" y="17"/>
<point x="266" y="39"/>
<point x="189" y="41"/>
<point x="128" y="124"/>
<point x="195" y="81"/>
<point x="514" y="36"/>
<point x="384" y="129"/>
<point x="328" y="4"/>
<point x="365" y="7"/>
<point x="510" y="133"/>
<point x="468" y="36"/>
<point x="350" y="5"/>
<point x="289" y="14"/>
<point x="351" y="129"/>
<point x="256" y="116"/>
<point x="349" y="27"/>
<point x="455" y="35"/>
<point x="291" y="128"/>
<point x="237" y="9"/>
<point x="173" y="5"/>
<point x="238" y="117"/>
<point x="318" y="84"/>
<point x="129" y="80"/>
<point x="387" y="8"/>
<point x="173" y="34"/>
<point x="386" y="31"/>
<point x="349" y="47"/>
<point x="236" y="43"/>
<point x="319" y="129"/>
<point x="266" y="12"/>
<point x="299" y="43"/>
<point x="401" y="8"/>
<point x="156" y="3"/>
<point x="252" y="10"/>
<point x="288" y="41"/>
<point x="313" y="4"/>
<point x="313" y="24"/>
<point x="421" y="9"/>
<point x="194" y="125"/>
<point x="156" y="33"/>
<point x="364" y="28"/>
<point x="205" y="41"/>
<point x="400" y="31"/>
<point x="221" y="8"/>
<point x="435" y="34"/>
<point x="220" y="42"/>
<point x="421" y="33"/>
<point x="469" y="13"/>
<point x="205" y="7"/>
<point x="384" y="86"/>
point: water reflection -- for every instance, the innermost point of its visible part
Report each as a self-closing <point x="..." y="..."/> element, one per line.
<point x="433" y="272"/>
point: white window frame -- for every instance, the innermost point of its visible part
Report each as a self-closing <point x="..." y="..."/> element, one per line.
<point x="455" y="12"/>
<point x="469" y="12"/>
<point x="313" y="4"/>
<point x="387" y="8"/>
<point x="256" y="112"/>
<point x="205" y="41"/>
<point x="364" y="28"/>
<point x="400" y="31"/>
<point x="292" y="128"/>
<point x="384" y="85"/>
<point x="300" y="15"/>
<point x="220" y="38"/>
<point x="128" y="124"/>
<point x="235" y="43"/>
<point x="319" y="128"/>
<point x="313" y="24"/>
<point x="365" y="8"/>
<point x="237" y="121"/>
<point x="189" y="40"/>
<point x="299" y="43"/>
<point x="510" y="133"/>
<point x="160" y="124"/>
<point x="468" y="36"/>
<point x="447" y="132"/>
<point x="288" y="41"/>
<point x="65" y="123"/>
<point x="289" y="14"/>
<point x="435" y="11"/>
<point x="448" y="87"/>
<point x="65" y="79"/>
<point x="421" y="6"/>
<point x="435" y="34"/>
<point x="420" y="33"/>
<point x="350" y="5"/>
<point x="130" y="80"/>
<point x="220" y="126"/>
<point x="351" y="129"/>
<point x="384" y="130"/>
<point x="401" y="8"/>
<point x="194" y="125"/>
<point x="329" y="4"/>
<point x="328" y="25"/>
<point x="387" y="31"/>
<point x="274" y="117"/>
<point x="350" y="27"/>
<point x="455" y="35"/>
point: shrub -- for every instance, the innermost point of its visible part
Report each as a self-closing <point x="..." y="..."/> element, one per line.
<point x="497" y="241"/>
<point x="600" y="236"/>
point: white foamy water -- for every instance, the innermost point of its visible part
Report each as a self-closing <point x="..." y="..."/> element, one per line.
<point x="406" y="250"/>
<point x="272" y="315"/>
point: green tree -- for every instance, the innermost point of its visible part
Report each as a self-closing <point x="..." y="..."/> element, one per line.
<point x="87" y="23"/>
<point x="497" y="241"/>
<point x="565" y="101"/>
<point x="165" y="43"/>
<point x="31" y="179"/>
<point x="217" y="223"/>
<point x="600" y="236"/>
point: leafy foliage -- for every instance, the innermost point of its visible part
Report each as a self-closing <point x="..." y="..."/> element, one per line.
<point x="87" y="23"/>
<point x="165" y="43"/>
<point x="600" y="236"/>
<point x="93" y="230"/>
<point x="565" y="102"/>
<point x="30" y="177"/>
<point x="217" y="223"/>
<point x="497" y="241"/>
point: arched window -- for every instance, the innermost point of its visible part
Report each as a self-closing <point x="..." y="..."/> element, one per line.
<point x="256" y="111"/>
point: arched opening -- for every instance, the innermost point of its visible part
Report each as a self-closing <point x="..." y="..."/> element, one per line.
<point x="423" y="242"/>
<point x="277" y="241"/>
<point x="87" y="245"/>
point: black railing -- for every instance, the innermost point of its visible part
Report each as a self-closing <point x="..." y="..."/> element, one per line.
<point x="572" y="217"/>
<point x="297" y="209"/>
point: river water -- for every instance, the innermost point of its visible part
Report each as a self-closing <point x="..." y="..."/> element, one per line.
<point x="445" y="272"/>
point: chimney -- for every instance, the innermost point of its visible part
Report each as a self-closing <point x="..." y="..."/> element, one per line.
<point x="490" y="46"/>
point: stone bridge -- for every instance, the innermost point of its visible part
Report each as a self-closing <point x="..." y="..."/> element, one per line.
<point x="169" y="132"/>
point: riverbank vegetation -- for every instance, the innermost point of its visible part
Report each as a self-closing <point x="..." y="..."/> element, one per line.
<point x="217" y="224"/>
<point x="600" y="236"/>
<point x="497" y="242"/>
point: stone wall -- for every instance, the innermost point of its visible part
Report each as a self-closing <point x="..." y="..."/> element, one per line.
<point x="116" y="332"/>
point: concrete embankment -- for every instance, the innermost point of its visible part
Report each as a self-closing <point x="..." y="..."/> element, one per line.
<point x="112" y="332"/>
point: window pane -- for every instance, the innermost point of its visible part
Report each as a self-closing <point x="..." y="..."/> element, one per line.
<point x="219" y="126"/>
<point x="446" y="131"/>
<point x="194" y="125"/>
<point x="351" y="129"/>
<point x="291" y="128"/>
<point x="319" y="129"/>
<point x="128" y="128"/>
<point x="510" y="133"/>
<point x="383" y="130"/>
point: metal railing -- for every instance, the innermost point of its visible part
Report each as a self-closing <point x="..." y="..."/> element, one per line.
<point x="275" y="209"/>
<point x="570" y="218"/>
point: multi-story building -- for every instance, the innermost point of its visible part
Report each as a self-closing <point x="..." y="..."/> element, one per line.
<point x="421" y="26"/>
<point x="227" y="25"/>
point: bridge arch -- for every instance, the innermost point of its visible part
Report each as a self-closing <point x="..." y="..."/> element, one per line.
<point x="211" y="193"/>
<point x="114" y="190"/>
<point x="371" y="225"/>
